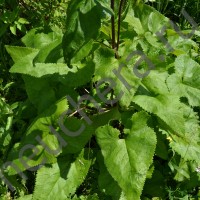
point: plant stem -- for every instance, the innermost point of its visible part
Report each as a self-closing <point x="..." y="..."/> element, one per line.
<point x="113" y="24"/>
<point x="119" y="22"/>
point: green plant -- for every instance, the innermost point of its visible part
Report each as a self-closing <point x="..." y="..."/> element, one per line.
<point x="10" y="18"/>
<point x="172" y="9"/>
<point x="45" y="12"/>
<point x="134" y="131"/>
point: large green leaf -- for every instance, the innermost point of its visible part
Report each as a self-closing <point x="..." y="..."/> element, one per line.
<point x="124" y="81"/>
<point x="62" y="178"/>
<point x="156" y="20"/>
<point x="75" y="144"/>
<point x="42" y="79"/>
<point x="29" y="143"/>
<point x="167" y="108"/>
<point x="23" y="54"/>
<point x="150" y="19"/>
<point x="83" y="24"/>
<point x="189" y="145"/>
<point x="48" y="43"/>
<point x="48" y="139"/>
<point x="39" y="87"/>
<point x="106" y="182"/>
<point x="38" y="38"/>
<point x="42" y="56"/>
<point x="129" y="159"/>
<point x="25" y="63"/>
<point x="47" y="86"/>
<point x="160" y="102"/>
<point x="186" y="81"/>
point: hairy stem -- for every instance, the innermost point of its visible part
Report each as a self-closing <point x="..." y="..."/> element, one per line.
<point x="119" y="22"/>
<point x="113" y="24"/>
